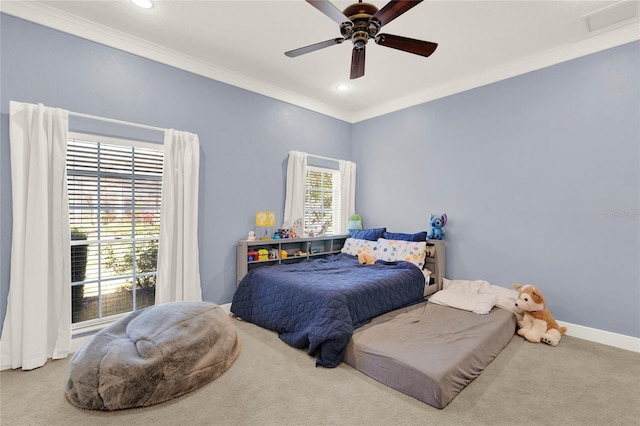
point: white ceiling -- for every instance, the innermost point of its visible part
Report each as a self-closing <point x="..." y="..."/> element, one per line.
<point x="243" y="43"/>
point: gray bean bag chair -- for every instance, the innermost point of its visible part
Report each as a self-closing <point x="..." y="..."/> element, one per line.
<point x="153" y="355"/>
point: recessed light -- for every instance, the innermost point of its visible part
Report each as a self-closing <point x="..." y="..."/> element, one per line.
<point x="343" y="87"/>
<point x="145" y="4"/>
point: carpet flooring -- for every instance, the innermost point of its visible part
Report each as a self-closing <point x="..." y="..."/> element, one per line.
<point x="576" y="383"/>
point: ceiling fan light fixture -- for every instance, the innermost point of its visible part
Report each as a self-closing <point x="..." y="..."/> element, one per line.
<point x="144" y="4"/>
<point x="362" y="21"/>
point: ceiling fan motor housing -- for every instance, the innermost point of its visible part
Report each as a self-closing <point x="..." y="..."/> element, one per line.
<point x="361" y="28"/>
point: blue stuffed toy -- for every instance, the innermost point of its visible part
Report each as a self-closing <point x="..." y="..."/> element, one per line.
<point x="437" y="223"/>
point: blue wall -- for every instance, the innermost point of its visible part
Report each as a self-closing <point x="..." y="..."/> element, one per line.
<point x="539" y="176"/>
<point x="526" y="168"/>
<point x="244" y="137"/>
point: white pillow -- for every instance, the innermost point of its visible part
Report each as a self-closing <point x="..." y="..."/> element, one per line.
<point x="506" y="296"/>
<point x="409" y="251"/>
<point x="465" y="286"/>
<point x="355" y="246"/>
<point x="480" y="304"/>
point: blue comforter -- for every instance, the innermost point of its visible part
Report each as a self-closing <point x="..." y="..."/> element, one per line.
<point x="317" y="303"/>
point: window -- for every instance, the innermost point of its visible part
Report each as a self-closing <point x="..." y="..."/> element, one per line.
<point x="115" y="190"/>
<point x="322" y="201"/>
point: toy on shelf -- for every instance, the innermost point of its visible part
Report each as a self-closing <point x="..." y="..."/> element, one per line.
<point x="252" y="255"/>
<point x="355" y="222"/>
<point x="251" y="236"/>
<point x="296" y="230"/>
<point x="437" y="223"/>
<point x="263" y="254"/>
<point x="282" y="233"/>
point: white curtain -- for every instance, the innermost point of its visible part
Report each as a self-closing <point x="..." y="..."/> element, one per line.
<point x="178" y="271"/>
<point x="347" y="193"/>
<point x="296" y="186"/>
<point x="37" y="325"/>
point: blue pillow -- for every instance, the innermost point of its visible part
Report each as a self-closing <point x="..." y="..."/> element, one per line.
<point x="418" y="236"/>
<point x="367" y="234"/>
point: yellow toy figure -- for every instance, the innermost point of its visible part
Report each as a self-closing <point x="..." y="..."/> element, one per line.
<point x="263" y="254"/>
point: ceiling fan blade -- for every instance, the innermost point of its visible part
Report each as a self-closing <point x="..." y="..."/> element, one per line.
<point x="329" y="9"/>
<point x="393" y="9"/>
<point x="419" y="47"/>
<point x="313" y="47"/>
<point x="357" y="62"/>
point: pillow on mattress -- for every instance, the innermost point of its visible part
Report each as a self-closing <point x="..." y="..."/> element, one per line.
<point x="418" y="236"/>
<point x="367" y="234"/>
<point x="465" y="286"/>
<point x="409" y="251"/>
<point x="355" y="247"/>
<point x="480" y="304"/>
<point x="506" y="296"/>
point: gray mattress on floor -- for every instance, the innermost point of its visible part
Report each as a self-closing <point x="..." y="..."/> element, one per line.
<point x="428" y="351"/>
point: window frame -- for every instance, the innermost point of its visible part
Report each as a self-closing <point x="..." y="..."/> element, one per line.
<point x="335" y="202"/>
<point x="97" y="323"/>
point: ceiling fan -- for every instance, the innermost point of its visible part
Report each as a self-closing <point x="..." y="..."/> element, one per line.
<point x="361" y="22"/>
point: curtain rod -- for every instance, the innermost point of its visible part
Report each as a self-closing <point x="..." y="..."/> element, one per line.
<point x="323" y="158"/>
<point x="113" y="120"/>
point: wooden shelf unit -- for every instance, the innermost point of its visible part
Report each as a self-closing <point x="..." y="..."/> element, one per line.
<point x="311" y="247"/>
<point x="435" y="264"/>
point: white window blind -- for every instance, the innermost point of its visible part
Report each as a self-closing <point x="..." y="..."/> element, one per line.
<point x="115" y="191"/>
<point x="322" y="201"/>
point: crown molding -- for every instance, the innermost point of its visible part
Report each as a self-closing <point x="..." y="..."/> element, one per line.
<point x="607" y="40"/>
<point x="53" y="18"/>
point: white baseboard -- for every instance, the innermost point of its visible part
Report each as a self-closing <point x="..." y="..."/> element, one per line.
<point x="592" y="334"/>
<point x="604" y="337"/>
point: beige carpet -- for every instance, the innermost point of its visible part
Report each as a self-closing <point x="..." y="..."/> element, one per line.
<point x="575" y="383"/>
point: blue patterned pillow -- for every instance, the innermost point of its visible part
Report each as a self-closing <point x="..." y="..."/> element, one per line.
<point x="409" y="251"/>
<point x="367" y="234"/>
<point x="418" y="236"/>
<point x="355" y="247"/>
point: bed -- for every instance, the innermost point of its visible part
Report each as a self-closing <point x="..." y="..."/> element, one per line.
<point x="317" y="303"/>
<point x="374" y="317"/>
<point x="429" y="351"/>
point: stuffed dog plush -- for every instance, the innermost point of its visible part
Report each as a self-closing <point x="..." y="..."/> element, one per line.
<point x="366" y="259"/>
<point x="537" y="325"/>
<point x="519" y="313"/>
